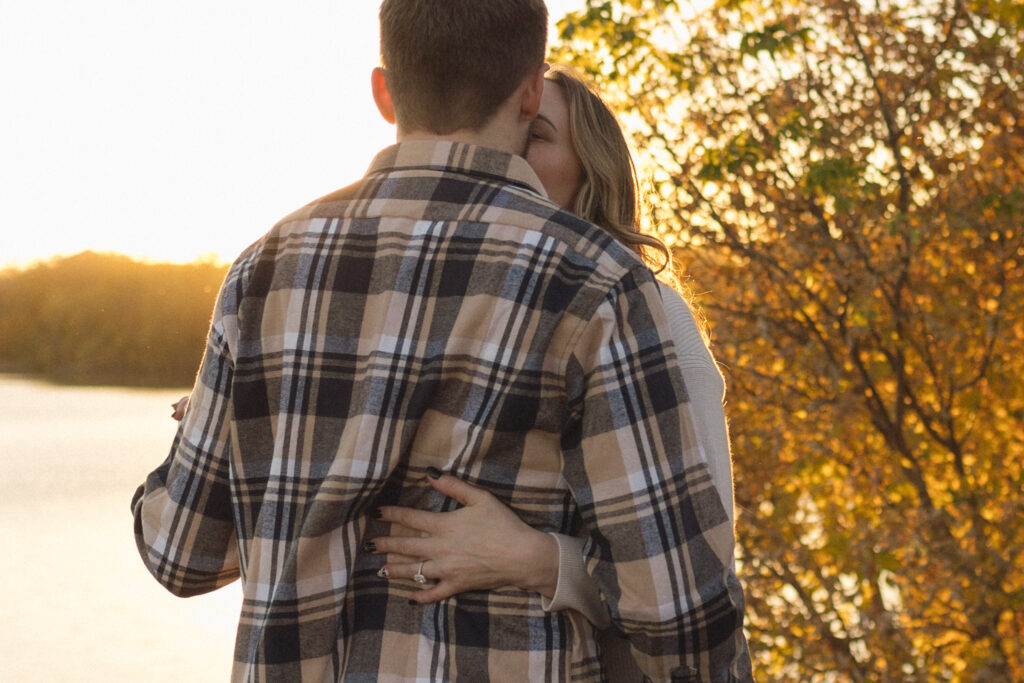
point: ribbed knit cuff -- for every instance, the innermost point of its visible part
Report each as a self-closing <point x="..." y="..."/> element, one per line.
<point x="575" y="589"/>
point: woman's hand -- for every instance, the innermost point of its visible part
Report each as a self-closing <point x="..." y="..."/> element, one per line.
<point x="480" y="546"/>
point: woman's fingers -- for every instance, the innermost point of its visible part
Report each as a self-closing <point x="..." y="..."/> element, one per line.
<point x="436" y="593"/>
<point x="402" y="559"/>
<point x="420" y="520"/>
<point x="481" y="546"/>
<point x="435" y="587"/>
<point x="180" y="406"/>
<point x="409" y="546"/>
<point x="464" y="492"/>
<point x="409" y="571"/>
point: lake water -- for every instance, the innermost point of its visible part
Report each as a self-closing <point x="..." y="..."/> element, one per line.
<point x="77" y="604"/>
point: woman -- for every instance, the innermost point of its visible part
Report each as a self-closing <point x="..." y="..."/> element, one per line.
<point x="580" y="155"/>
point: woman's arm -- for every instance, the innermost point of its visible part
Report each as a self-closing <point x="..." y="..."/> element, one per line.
<point x="706" y="388"/>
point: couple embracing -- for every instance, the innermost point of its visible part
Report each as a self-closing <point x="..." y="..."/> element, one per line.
<point x="448" y="425"/>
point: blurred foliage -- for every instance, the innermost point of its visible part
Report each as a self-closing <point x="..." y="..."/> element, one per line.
<point x="106" y="319"/>
<point x="844" y="181"/>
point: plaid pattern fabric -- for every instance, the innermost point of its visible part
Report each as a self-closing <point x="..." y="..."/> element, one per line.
<point x="441" y="312"/>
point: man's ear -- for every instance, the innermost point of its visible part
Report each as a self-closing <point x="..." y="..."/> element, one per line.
<point x="530" y="104"/>
<point x="381" y="94"/>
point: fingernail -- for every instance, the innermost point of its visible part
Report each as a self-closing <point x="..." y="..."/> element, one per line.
<point x="384" y="573"/>
<point x="413" y="602"/>
<point x="370" y="547"/>
<point x="378" y="513"/>
<point x="433" y="473"/>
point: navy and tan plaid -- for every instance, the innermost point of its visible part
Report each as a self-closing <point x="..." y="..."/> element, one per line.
<point x="441" y="313"/>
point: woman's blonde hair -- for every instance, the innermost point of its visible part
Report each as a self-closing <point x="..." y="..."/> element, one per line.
<point x="610" y="194"/>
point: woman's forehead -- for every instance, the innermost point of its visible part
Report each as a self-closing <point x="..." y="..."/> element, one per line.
<point x="553" y="104"/>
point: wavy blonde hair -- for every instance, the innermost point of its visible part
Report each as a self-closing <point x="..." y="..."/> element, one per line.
<point x="610" y="194"/>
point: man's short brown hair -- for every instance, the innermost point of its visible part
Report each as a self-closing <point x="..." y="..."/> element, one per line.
<point x="451" y="63"/>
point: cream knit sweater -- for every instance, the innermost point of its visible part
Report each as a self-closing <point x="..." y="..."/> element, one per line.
<point x="706" y="388"/>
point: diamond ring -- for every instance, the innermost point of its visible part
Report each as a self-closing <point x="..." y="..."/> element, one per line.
<point x="418" y="576"/>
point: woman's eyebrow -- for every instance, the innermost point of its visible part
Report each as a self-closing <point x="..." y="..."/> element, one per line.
<point x="546" y="120"/>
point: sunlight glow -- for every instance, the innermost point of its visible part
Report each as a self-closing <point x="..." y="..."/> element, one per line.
<point x="174" y="131"/>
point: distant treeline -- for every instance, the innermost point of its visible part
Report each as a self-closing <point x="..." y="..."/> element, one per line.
<point x="107" y="319"/>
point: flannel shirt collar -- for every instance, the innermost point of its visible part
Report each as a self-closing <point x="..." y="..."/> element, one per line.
<point x="459" y="158"/>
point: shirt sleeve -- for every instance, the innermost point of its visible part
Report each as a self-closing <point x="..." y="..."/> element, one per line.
<point x="184" y="525"/>
<point x="705" y="387"/>
<point x="660" y="545"/>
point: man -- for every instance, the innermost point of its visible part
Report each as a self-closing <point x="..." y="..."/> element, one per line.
<point x="442" y="314"/>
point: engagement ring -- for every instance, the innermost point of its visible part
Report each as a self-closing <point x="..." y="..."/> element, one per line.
<point x="418" y="576"/>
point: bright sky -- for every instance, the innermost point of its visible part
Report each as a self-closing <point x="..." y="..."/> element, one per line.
<point x="174" y="130"/>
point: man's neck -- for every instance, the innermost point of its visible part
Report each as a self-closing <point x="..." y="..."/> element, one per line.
<point x="501" y="133"/>
<point x="467" y="137"/>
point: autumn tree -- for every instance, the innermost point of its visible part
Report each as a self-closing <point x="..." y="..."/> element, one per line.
<point x="843" y="183"/>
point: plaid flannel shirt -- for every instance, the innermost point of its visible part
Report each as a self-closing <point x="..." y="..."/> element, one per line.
<point x="442" y="312"/>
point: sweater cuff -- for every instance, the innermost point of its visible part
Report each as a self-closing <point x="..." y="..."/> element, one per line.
<point x="575" y="588"/>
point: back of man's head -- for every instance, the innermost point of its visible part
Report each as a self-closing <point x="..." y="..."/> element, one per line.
<point x="450" y="64"/>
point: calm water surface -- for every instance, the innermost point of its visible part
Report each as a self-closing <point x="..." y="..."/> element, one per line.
<point x="77" y="602"/>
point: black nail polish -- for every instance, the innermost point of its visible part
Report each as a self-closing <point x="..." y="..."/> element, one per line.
<point x="413" y="602"/>
<point x="370" y="547"/>
<point x="433" y="473"/>
<point x="378" y="513"/>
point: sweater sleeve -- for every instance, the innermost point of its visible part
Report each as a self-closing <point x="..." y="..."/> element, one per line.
<point x="706" y="389"/>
